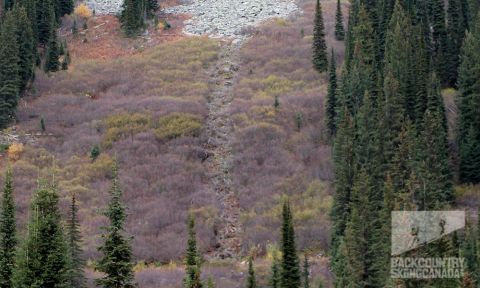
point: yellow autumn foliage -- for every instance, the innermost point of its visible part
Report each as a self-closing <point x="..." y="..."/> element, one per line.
<point x="82" y="11"/>
<point x="15" y="151"/>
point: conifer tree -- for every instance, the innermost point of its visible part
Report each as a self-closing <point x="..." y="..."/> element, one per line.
<point x="52" y="62"/>
<point x="210" y="283"/>
<point x="152" y="7"/>
<point x="457" y="25"/>
<point x="9" y="79"/>
<point x="8" y="237"/>
<point x="469" y="105"/>
<point x="132" y="17"/>
<point x="192" y="259"/>
<point x="331" y="96"/>
<point x="360" y="77"/>
<point x="7" y="5"/>
<point x="45" y="22"/>
<point x="439" y="39"/>
<point x="274" y="280"/>
<point x="26" y="46"/>
<point x="339" y="30"/>
<point x="251" y="281"/>
<point x="320" y="61"/>
<point x="306" y="272"/>
<point x="290" y="267"/>
<point x="74" y="240"/>
<point x="344" y="167"/>
<point x="43" y="261"/>
<point x="117" y="260"/>
<point x="65" y="7"/>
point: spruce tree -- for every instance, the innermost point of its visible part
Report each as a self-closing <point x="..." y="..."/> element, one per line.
<point x="469" y="105"/>
<point x="132" y="17"/>
<point x="45" y="22"/>
<point x="439" y="39"/>
<point x="339" y="30"/>
<point x="251" y="281"/>
<point x="117" y="260"/>
<point x="74" y="238"/>
<point x="26" y="46"/>
<point x="8" y="238"/>
<point x="192" y="259"/>
<point x="306" y="272"/>
<point x="7" y="5"/>
<point x="52" y="62"/>
<point x="9" y="79"/>
<point x="331" y="105"/>
<point x="275" y="280"/>
<point x="290" y="267"/>
<point x="151" y="7"/>
<point x="43" y="261"/>
<point x="457" y="25"/>
<point x="65" y="7"/>
<point x="320" y="61"/>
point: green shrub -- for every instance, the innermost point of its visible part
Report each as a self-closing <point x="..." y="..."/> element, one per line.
<point x="4" y="147"/>
<point x="178" y="124"/>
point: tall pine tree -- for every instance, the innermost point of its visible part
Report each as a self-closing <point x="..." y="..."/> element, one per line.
<point x="469" y="105"/>
<point x="331" y="105"/>
<point x="320" y="61"/>
<point x="8" y="240"/>
<point x="251" y="281"/>
<point x="43" y="261"/>
<point x="74" y="238"/>
<point x="290" y="267"/>
<point x="117" y="261"/>
<point x="192" y="259"/>
<point x="9" y="79"/>
<point x="339" y="30"/>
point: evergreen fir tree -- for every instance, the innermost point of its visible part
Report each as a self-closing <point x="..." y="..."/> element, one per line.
<point x="192" y="259"/>
<point x="469" y="105"/>
<point x="306" y="272"/>
<point x="152" y="7"/>
<point x="45" y="23"/>
<point x="26" y="48"/>
<point x="8" y="4"/>
<point x="9" y="76"/>
<point x="320" y="61"/>
<point x="117" y="260"/>
<point x="132" y="17"/>
<point x="439" y="39"/>
<point x="65" y="7"/>
<point x="331" y="106"/>
<point x="275" y="280"/>
<point x="210" y="283"/>
<point x="52" y="62"/>
<point x="8" y="238"/>
<point x="339" y="30"/>
<point x="251" y="281"/>
<point x="290" y="267"/>
<point x="360" y="77"/>
<point x="74" y="238"/>
<point x="44" y="261"/>
<point x="457" y="25"/>
<point x="344" y="168"/>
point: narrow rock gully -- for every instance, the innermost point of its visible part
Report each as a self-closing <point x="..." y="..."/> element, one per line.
<point x="219" y="128"/>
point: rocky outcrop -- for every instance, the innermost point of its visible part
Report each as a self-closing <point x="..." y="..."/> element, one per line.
<point x="228" y="18"/>
<point x="105" y="6"/>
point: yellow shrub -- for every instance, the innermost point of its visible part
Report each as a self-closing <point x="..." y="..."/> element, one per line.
<point x="82" y="11"/>
<point x="123" y="125"/>
<point x="178" y="124"/>
<point x="15" y="151"/>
